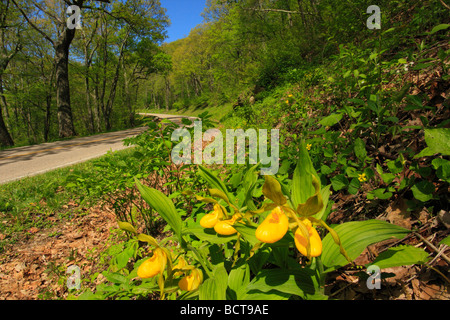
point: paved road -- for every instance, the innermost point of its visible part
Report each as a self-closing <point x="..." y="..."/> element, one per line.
<point x="18" y="163"/>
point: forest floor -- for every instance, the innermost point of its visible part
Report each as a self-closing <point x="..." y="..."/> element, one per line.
<point x="34" y="268"/>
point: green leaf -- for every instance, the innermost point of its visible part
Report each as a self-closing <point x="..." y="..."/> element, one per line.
<point x="382" y="194"/>
<point x="212" y="180"/>
<point x="149" y="239"/>
<point x="355" y="237"/>
<point x="294" y="282"/>
<point x="163" y="205"/>
<point x="442" y="168"/>
<point x="360" y="149"/>
<point x="446" y="241"/>
<point x="439" y="28"/>
<point x="249" y="183"/>
<point x="215" y="287"/>
<point x="209" y="235"/>
<point x="423" y="191"/>
<point x="127" y="227"/>
<point x="238" y="280"/>
<point x="438" y="141"/>
<point x="339" y="182"/>
<point x="331" y="120"/>
<point x="302" y="187"/>
<point x="400" y="256"/>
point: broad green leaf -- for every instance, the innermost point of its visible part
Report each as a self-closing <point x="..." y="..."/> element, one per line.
<point x="213" y="181"/>
<point x="149" y="239"/>
<point x="400" y="256"/>
<point x="382" y="194"/>
<point x="264" y="296"/>
<point x="299" y="282"/>
<point x="360" y="149"/>
<point x="423" y="190"/>
<point x="238" y="280"/>
<point x="314" y="204"/>
<point x="446" y="241"/>
<point x="439" y="28"/>
<point x="442" y="168"/>
<point x="331" y="120"/>
<point x="325" y="192"/>
<point x="209" y="235"/>
<point x="339" y="182"/>
<point x="438" y="141"/>
<point x="215" y="287"/>
<point x="302" y="181"/>
<point x="163" y="205"/>
<point x="355" y="237"/>
<point x="126" y="226"/>
<point x="249" y="183"/>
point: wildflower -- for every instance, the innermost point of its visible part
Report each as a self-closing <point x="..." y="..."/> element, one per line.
<point x="274" y="227"/>
<point x="362" y="177"/>
<point x="192" y="281"/>
<point x="225" y="228"/>
<point x="287" y="101"/>
<point x="308" y="147"/>
<point x="210" y="220"/>
<point x="154" y="265"/>
<point x="290" y="96"/>
<point x="181" y="264"/>
<point x="315" y="243"/>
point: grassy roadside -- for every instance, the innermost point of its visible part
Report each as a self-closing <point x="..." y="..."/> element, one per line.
<point x="216" y="112"/>
<point x="41" y="201"/>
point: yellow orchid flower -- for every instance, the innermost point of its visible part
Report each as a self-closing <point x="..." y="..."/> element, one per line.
<point x="181" y="264"/>
<point x="315" y="243"/>
<point x="308" y="147"/>
<point x="154" y="265"/>
<point x="225" y="227"/>
<point x="274" y="227"/>
<point x="211" y="219"/>
<point x="192" y="281"/>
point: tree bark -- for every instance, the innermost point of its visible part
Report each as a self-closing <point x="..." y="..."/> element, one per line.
<point x="65" y="119"/>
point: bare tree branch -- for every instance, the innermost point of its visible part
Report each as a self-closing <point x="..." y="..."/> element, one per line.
<point x="33" y="25"/>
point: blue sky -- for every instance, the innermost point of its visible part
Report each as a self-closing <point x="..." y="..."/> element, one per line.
<point x="184" y="15"/>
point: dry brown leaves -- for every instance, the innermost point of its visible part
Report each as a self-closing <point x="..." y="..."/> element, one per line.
<point x="30" y="270"/>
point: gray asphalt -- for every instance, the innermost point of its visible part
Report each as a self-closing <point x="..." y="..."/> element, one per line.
<point x="18" y="163"/>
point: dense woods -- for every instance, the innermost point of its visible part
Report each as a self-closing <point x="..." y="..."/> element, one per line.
<point x="357" y="210"/>
<point x="57" y="82"/>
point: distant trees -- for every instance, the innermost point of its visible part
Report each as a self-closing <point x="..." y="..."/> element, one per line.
<point x="34" y="35"/>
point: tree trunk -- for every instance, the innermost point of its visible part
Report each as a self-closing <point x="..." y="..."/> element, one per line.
<point x="5" y="137"/>
<point x="65" y="119"/>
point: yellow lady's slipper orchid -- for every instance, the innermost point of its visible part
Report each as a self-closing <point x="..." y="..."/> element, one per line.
<point x="315" y="242"/>
<point x="192" y="281"/>
<point x="274" y="227"/>
<point x="211" y="219"/>
<point x="181" y="264"/>
<point x="225" y="228"/>
<point x="154" y="265"/>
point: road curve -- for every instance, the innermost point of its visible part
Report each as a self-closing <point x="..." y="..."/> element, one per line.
<point x="21" y="162"/>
